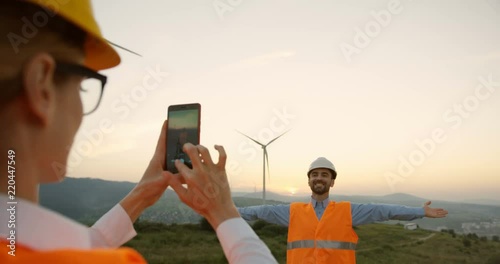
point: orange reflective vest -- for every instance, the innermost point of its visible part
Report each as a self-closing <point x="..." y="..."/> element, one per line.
<point x="24" y="255"/>
<point x="331" y="240"/>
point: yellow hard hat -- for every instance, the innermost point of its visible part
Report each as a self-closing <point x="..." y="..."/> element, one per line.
<point x="99" y="54"/>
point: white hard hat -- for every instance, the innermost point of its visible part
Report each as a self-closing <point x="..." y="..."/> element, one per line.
<point x="322" y="163"/>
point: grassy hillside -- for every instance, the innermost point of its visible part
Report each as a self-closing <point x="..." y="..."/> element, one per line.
<point x="379" y="243"/>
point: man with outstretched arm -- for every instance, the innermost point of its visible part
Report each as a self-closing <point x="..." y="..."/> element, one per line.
<point x="321" y="231"/>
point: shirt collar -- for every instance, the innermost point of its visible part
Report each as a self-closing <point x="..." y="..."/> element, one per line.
<point x="322" y="204"/>
<point x="41" y="229"/>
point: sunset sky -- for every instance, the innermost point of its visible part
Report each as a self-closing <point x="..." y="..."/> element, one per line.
<point x="402" y="96"/>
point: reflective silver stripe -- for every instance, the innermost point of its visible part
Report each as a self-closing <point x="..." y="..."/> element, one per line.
<point x="321" y="244"/>
<point x="335" y="244"/>
<point x="300" y="244"/>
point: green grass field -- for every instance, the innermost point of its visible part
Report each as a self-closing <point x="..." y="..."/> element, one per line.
<point x="378" y="243"/>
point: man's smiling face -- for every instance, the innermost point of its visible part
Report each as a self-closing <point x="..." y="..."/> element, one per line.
<point x="320" y="181"/>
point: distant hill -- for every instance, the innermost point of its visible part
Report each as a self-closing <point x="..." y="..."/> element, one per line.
<point x="79" y="198"/>
<point x="483" y="202"/>
<point x="402" y="197"/>
<point x="86" y="199"/>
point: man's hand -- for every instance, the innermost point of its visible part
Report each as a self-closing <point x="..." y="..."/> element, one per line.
<point x="152" y="184"/>
<point x="434" y="212"/>
<point x="207" y="190"/>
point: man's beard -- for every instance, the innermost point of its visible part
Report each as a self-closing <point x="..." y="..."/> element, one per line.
<point x="320" y="189"/>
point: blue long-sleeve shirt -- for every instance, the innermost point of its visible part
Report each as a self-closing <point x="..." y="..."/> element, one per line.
<point x="361" y="213"/>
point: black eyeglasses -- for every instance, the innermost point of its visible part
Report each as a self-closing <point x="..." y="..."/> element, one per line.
<point x="92" y="86"/>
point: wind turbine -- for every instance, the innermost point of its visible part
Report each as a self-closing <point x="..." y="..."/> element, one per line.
<point x="265" y="159"/>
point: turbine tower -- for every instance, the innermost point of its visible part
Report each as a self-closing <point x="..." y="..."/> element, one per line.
<point x="265" y="159"/>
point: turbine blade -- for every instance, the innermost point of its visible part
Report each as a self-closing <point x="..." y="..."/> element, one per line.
<point x="277" y="137"/>
<point x="123" y="48"/>
<point x="251" y="138"/>
<point x="267" y="161"/>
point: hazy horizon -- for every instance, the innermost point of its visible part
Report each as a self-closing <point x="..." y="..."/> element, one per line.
<point x="402" y="96"/>
<point x="332" y="194"/>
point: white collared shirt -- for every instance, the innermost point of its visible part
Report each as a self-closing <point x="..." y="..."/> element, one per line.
<point x="42" y="229"/>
